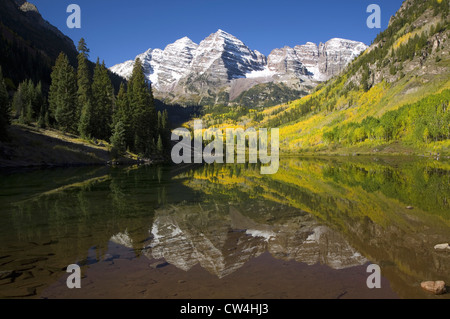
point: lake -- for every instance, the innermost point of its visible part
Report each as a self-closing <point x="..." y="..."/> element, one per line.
<point x="226" y="231"/>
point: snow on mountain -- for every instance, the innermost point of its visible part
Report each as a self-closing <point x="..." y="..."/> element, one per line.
<point x="224" y="56"/>
<point x="185" y="67"/>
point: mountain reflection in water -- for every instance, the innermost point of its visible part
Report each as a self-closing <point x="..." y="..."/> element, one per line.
<point x="341" y="213"/>
<point x="221" y="239"/>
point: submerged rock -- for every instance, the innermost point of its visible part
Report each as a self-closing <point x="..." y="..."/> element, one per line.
<point x="158" y="264"/>
<point x="435" y="287"/>
<point x="442" y="247"/>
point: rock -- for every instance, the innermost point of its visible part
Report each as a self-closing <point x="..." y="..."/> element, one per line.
<point x="435" y="287"/>
<point x="28" y="7"/>
<point x="442" y="247"/>
<point x="409" y="207"/>
<point x="158" y="264"/>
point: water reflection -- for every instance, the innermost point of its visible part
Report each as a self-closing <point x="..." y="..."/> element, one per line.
<point x="335" y="212"/>
<point x="222" y="239"/>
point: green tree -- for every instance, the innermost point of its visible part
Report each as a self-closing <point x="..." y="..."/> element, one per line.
<point x="144" y="113"/>
<point x="426" y="135"/>
<point x="38" y="101"/>
<point x="5" y="110"/>
<point x="19" y="102"/>
<point x="63" y="94"/>
<point x="159" y="145"/>
<point x="85" y="127"/>
<point x="84" y="106"/>
<point x="43" y="120"/>
<point x="102" y="102"/>
<point x="124" y="114"/>
<point x="118" y="138"/>
<point x="22" y="102"/>
<point x="365" y="80"/>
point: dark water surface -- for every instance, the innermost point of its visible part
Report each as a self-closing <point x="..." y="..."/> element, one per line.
<point x="223" y="231"/>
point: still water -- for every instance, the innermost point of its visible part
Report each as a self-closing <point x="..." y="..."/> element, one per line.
<point x="226" y="231"/>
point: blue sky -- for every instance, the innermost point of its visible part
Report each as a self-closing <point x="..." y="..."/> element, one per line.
<point x="118" y="30"/>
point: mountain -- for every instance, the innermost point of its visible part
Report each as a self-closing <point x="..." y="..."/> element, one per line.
<point x="222" y="67"/>
<point x="391" y="99"/>
<point x="29" y="45"/>
<point x="228" y="239"/>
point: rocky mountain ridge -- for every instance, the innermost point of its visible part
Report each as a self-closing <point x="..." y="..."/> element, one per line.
<point x="221" y="67"/>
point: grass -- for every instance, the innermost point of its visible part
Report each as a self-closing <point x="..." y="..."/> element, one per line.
<point x="30" y="146"/>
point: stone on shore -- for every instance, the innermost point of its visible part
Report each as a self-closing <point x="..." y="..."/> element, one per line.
<point x="435" y="287"/>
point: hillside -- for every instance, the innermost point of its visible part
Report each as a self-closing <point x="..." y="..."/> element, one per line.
<point x="34" y="147"/>
<point x="392" y="99"/>
<point x="29" y="45"/>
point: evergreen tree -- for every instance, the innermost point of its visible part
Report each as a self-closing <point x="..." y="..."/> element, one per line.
<point x="43" y="120"/>
<point x="124" y="114"/>
<point x="18" y="102"/>
<point x="103" y="101"/>
<point x="118" y="138"/>
<point x="63" y="95"/>
<point x="28" y="101"/>
<point x="85" y="127"/>
<point x="144" y="113"/>
<point x="53" y="95"/>
<point x="159" y="145"/>
<point x="84" y="106"/>
<point x="159" y="126"/>
<point x="164" y="131"/>
<point x="165" y="121"/>
<point x="38" y="101"/>
<point x="5" y="110"/>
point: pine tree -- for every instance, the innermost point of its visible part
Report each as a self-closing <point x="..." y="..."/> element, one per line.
<point x="142" y="105"/>
<point x="85" y="127"/>
<point x="102" y="101"/>
<point x="63" y="95"/>
<point x="118" y="138"/>
<point x="159" y="145"/>
<point x="5" y="110"/>
<point x="159" y="126"/>
<point x="38" y="101"/>
<point x="43" y="120"/>
<point x="165" y="121"/>
<point x="123" y="113"/>
<point x="22" y="102"/>
<point x="53" y="95"/>
<point x="28" y="101"/>
<point x="84" y="106"/>
<point x="18" y="102"/>
<point x="163" y="131"/>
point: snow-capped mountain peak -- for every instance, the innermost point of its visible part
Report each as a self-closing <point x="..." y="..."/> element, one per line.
<point x="185" y="67"/>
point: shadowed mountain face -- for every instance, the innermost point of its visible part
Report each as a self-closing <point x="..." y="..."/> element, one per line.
<point x="29" y="45"/>
<point x="223" y="219"/>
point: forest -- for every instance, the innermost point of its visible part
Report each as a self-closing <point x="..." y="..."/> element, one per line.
<point x="85" y="104"/>
<point x="421" y="122"/>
